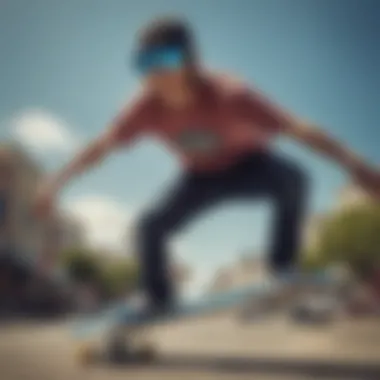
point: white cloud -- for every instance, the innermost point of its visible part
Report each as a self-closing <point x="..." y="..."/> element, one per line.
<point x="43" y="132"/>
<point x="107" y="223"/>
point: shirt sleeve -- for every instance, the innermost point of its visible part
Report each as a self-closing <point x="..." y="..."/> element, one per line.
<point x="260" y="111"/>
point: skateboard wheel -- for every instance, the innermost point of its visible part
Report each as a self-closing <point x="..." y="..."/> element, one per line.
<point x="86" y="354"/>
<point x="147" y="352"/>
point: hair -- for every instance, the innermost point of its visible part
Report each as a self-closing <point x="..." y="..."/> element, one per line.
<point x="168" y="31"/>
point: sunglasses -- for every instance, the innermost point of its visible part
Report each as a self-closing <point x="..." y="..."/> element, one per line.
<point x="163" y="58"/>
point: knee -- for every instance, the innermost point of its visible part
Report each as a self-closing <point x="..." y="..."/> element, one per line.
<point x="295" y="184"/>
<point x="148" y="225"/>
<point x="152" y="225"/>
<point x="299" y="179"/>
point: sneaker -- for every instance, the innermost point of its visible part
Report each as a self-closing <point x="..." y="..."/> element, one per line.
<point x="281" y="288"/>
<point x="143" y="304"/>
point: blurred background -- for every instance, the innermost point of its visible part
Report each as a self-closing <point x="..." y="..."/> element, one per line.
<point x="64" y="74"/>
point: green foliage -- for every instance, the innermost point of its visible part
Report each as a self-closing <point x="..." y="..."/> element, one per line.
<point x="312" y="260"/>
<point x="81" y="265"/>
<point x="353" y="236"/>
<point x="119" y="277"/>
<point x="111" y="277"/>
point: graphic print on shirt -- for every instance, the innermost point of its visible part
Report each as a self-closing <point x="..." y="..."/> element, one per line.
<point x="198" y="141"/>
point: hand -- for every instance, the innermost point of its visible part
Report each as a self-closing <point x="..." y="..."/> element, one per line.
<point x="45" y="200"/>
<point x="367" y="178"/>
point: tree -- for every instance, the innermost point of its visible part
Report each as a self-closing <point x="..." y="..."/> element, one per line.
<point x="81" y="265"/>
<point x="353" y="237"/>
<point x="110" y="277"/>
<point x="119" y="277"/>
<point x="312" y="259"/>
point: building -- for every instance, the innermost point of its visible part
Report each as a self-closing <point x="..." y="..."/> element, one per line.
<point x="351" y="196"/>
<point x="30" y="246"/>
<point x="29" y="237"/>
<point x="23" y="231"/>
<point x="247" y="269"/>
<point x="60" y="233"/>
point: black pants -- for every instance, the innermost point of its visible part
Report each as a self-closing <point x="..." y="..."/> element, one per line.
<point x="256" y="175"/>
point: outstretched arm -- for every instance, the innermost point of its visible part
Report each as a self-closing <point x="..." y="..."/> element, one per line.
<point x="123" y="129"/>
<point x="314" y="137"/>
<point x="277" y="119"/>
<point x="90" y="156"/>
<point x="322" y="142"/>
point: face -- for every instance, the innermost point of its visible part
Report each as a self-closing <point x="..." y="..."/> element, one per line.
<point x="163" y="81"/>
<point x="164" y="71"/>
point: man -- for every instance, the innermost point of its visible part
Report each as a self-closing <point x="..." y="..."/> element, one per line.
<point x="6" y="179"/>
<point x="221" y="130"/>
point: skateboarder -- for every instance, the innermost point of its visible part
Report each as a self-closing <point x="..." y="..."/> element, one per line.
<point x="221" y="130"/>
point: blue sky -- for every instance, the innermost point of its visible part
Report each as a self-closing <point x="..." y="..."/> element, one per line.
<point x="64" y="63"/>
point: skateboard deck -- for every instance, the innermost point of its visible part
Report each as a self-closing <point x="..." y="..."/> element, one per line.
<point x="121" y="316"/>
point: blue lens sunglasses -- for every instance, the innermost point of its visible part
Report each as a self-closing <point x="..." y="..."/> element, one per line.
<point x="163" y="58"/>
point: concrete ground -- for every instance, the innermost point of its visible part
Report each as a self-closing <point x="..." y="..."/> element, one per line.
<point x="216" y="348"/>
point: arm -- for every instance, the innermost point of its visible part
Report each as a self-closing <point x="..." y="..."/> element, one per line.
<point x="364" y="175"/>
<point x="323" y="143"/>
<point x="276" y="119"/>
<point x="122" y="131"/>
<point x="91" y="155"/>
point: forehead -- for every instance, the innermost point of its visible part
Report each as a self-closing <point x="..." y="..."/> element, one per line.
<point x="164" y="73"/>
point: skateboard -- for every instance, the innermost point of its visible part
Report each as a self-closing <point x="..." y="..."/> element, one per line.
<point x="120" y="327"/>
